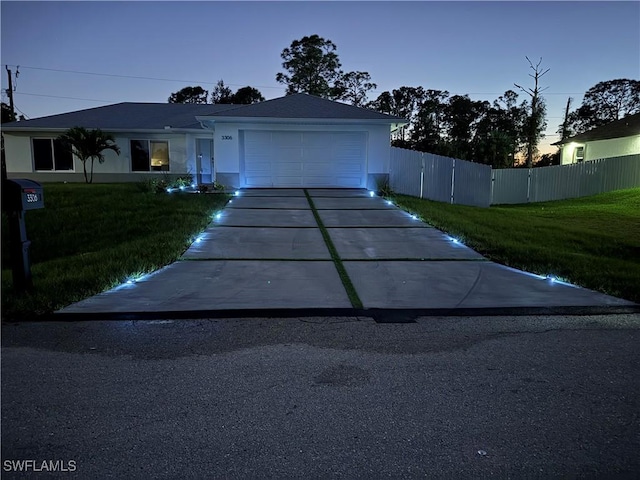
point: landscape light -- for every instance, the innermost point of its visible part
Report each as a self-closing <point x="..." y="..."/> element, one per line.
<point x="169" y="190"/>
<point x="218" y="215"/>
<point x="198" y="240"/>
<point x="129" y="282"/>
<point x="389" y="202"/>
<point x="414" y="217"/>
<point x="182" y="187"/>
<point x="237" y="192"/>
<point x="371" y="194"/>
<point x="454" y="240"/>
<point x="551" y="278"/>
<point x="193" y="185"/>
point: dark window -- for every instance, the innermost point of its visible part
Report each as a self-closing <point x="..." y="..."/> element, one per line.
<point x="579" y="154"/>
<point x="42" y="154"/>
<point x="62" y="157"/>
<point x="139" y="156"/>
<point x="50" y="154"/>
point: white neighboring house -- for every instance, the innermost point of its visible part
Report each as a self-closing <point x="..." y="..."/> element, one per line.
<point x="616" y="139"/>
<point x="293" y="141"/>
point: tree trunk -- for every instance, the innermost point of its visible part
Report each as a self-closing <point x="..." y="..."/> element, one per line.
<point x="91" y="177"/>
<point x="84" y="167"/>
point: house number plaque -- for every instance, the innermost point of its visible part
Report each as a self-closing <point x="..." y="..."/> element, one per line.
<point x="227" y="137"/>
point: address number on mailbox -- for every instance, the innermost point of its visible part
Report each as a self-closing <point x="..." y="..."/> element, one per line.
<point x="32" y="197"/>
<point x="227" y="137"/>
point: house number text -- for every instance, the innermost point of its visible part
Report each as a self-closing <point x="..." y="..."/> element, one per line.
<point x="227" y="137"/>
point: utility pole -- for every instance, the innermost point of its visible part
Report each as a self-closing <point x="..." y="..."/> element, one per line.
<point x="10" y="91"/>
<point x="565" y="124"/>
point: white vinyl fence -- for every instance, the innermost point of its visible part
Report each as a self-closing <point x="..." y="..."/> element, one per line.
<point x="444" y="179"/>
<point x="451" y="180"/>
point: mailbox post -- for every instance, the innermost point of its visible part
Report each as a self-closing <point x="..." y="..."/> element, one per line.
<point x="18" y="196"/>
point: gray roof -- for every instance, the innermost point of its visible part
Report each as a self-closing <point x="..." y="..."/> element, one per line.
<point x="125" y="116"/>
<point x="625" y="127"/>
<point x="155" y="116"/>
<point x="302" y="105"/>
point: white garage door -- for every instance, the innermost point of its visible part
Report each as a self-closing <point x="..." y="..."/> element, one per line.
<point x="305" y="159"/>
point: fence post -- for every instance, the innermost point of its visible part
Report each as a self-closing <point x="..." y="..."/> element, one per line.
<point x="529" y="186"/>
<point x="493" y="179"/>
<point x="453" y="177"/>
<point x="421" y="174"/>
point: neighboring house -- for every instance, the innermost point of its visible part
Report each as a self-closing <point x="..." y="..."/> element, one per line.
<point x="615" y="139"/>
<point x="292" y="141"/>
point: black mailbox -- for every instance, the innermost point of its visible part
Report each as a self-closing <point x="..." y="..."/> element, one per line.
<point x="21" y="194"/>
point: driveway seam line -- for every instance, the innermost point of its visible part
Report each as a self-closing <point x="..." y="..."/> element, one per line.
<point x="342" y="271"/>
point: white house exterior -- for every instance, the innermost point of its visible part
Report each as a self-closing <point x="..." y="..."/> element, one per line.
<point x="293" y="141"/>
<point x="615" y="139"/>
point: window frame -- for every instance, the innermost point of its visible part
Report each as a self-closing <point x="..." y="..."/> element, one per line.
<point x="149" y="151"/>
<point x="579" y="159"/>
<point x="52" y="141"/>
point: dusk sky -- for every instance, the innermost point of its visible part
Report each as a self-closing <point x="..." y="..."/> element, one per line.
<point x="475" y="48"/>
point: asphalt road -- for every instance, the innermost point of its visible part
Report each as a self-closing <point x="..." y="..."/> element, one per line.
<point x="503" y="397"/>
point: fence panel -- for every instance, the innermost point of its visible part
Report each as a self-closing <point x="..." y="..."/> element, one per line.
<point x="438" y="175"/>
<point x="584" y="179"/>
<point x="471" y="184"/>
<point x="510" y="185"/>
<point x="405" y="171"/>
<point x="450" y="180"/>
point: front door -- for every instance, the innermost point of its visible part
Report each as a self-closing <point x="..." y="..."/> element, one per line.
<point x="205" y="171"/>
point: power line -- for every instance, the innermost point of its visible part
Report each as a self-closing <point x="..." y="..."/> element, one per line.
<point x="238" y="84"/>
<point x="141" y="78"/>
<point x="69" y="98"/>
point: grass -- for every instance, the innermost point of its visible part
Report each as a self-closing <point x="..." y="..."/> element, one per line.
<point x="593" y="242"/>
<point x="90" y="238"/>
<point x="342" y="271"/>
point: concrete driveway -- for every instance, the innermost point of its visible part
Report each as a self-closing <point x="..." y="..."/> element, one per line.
<point x="266" y="251"/>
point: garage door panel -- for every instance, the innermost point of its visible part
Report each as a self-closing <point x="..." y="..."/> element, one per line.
<point x="314" y="159"/>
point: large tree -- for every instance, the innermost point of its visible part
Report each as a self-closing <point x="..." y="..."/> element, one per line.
<point x="536" y="121"/>
<point x="88" y="145"/>
<point x="311" y="66"/>
<point x="606" y="102"/>
<point x="247" y="96"/>
<point x="354" y="87"/>
<point x="195" y="94"/>
<point x="461" y="118"/>
<point x="221" y="93"/>
<point x="428" y="126"/>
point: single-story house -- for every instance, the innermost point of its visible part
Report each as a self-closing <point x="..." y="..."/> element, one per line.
<point x="615" y="139"/>
<point x="293" y="141"/>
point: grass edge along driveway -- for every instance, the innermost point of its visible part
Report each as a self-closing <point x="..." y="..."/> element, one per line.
<point x="593" y="242"/>
<point x="90" y="238"/>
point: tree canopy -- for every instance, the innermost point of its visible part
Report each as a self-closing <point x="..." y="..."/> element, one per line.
<point x="311" y="66"/>
<point x="195" y="94"/>
<point x="605" y="102"/>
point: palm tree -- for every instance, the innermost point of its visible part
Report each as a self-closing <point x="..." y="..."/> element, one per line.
<point x="88" y="144"/>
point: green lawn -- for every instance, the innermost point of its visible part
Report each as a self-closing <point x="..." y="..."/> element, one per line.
<point x="90" y="238"/>
<point x="593" y="242"/>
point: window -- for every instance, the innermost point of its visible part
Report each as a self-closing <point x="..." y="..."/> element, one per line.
<point x="579" y="154"/>
<point x="149" y="155"/>
<point x="50" y="154"/>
